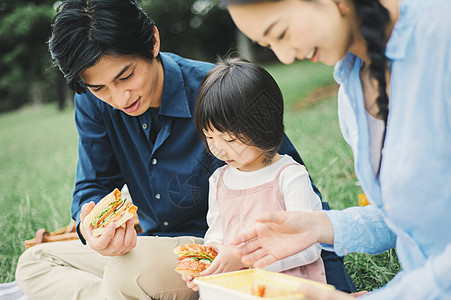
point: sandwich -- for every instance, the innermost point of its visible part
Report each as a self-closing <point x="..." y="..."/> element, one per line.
<point x="112" y="208"/>
<point x="194" y="258"/>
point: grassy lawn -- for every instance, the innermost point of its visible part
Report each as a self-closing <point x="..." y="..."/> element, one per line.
<point x="38" y="156"/>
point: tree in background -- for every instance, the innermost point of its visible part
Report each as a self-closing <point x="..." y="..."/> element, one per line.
<point x="200" y="29"/>
<point x="196" y="29"/>
<point x="24" y="63"/>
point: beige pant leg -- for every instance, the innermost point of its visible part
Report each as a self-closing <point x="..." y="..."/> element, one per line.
<point x="147" y="272"/>
<point x="61" y="270"/>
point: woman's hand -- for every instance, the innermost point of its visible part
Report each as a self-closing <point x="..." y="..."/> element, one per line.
<point x="280" y="234"/>
<point x="113" y="241"/>
<point x="312" y="292"/>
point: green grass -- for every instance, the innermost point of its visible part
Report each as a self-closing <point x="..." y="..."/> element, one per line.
<point x="38" y="157"/>
<point x="299" y="79"/>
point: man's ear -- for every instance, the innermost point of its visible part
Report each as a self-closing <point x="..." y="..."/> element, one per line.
<point x="156" y="47"/>
<point x="343" y="8"/>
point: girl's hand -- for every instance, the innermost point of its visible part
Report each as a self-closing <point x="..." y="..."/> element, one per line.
<point x="226" y="261"/>
<point x="190" y="283"/>
<point x="280" y="234"/>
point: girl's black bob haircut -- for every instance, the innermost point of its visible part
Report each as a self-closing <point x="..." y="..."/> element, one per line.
<point x="243" y="100"/>
<point x="83" y="31"/>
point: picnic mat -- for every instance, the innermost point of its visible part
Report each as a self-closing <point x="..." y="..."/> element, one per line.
<point x="11" y="291"/>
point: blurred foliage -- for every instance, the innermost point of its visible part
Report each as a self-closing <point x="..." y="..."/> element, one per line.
<point x="24" y="29"/>
<point x="196" y="29"/>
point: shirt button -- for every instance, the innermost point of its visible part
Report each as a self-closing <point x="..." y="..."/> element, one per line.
<point x="158" y="196"/>
<point x="145" y="126"/>
<point x="165" y="223"/>
<point x="154" y="161"/>
<point x="387" y="207"/>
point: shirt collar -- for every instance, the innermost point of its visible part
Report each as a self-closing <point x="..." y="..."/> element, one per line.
<point x="397" y="44"/>
<point x="409" y="11"/>
<point x="344" y="67"/>
<point x="174" y="102"/>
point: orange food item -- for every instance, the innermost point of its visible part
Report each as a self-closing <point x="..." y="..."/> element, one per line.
<point x="258" y="290"/>
<point x="363" y="200"/>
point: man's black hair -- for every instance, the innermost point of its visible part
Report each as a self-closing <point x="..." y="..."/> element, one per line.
<point x="83" y="31"/>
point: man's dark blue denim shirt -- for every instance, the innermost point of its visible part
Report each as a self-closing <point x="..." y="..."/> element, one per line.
<point x="168" y="181"/>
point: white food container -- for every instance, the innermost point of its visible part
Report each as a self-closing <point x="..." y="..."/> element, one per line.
<point x="238" y="285"/>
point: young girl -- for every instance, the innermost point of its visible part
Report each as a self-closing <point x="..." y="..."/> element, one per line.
<point x="239" y="116"/>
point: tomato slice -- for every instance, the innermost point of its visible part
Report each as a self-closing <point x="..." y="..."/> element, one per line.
<point x="108" y="213"/>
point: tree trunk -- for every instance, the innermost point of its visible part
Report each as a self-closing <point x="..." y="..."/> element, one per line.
<point x="36" y="94"/>
<point x="64" y="93"/>
<point x="244" y="47"/>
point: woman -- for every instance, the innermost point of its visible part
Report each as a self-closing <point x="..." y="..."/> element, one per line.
<point x="393" y="64"/>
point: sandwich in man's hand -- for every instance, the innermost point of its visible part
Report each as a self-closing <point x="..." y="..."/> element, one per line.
<point x="194" y="258"/>
<point x="112" y="208"/>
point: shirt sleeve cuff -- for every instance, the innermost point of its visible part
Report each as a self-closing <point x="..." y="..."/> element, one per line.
<point x="360" y="229"/>
<point x="340" y="234"/>
<point x="80" y="236"/>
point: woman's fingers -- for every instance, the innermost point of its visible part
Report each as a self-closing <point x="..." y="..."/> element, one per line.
<point x="264" y="260"/>
<point x="244" y="237"/>
<point x="276" y="217"/>
<point x="249" y="255"/>
<point x="249" y="237"/>
<point x="359" y="294"/>
<point x="257" y="258"/>
<point x="247" y="247"/>
<point x="312" y="292"/>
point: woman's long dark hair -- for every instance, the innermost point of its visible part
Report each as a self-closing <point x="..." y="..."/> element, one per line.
<point x="374" y="19"/>
<point x="85" y="30"/>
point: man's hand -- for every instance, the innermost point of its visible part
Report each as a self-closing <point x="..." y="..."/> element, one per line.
<point x="113" y="241"/>
<point x="280" y="234"/>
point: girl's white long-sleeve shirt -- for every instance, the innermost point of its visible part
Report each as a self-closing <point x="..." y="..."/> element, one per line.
<point x="294" y="185"/>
